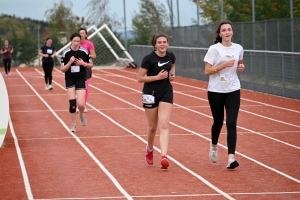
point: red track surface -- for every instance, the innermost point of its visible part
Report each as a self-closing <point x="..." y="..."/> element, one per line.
<point x="40" y="159"/>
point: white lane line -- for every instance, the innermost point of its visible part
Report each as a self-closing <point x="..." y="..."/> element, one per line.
<point x="110" y="176"/>
<point x="190" y="131"/>
<point x="182" y="93"/>
<point x="156" y="148"/>
<point x="200" y="113"/>
<point x="202" y="89"/>
<point x="21" y="161"/>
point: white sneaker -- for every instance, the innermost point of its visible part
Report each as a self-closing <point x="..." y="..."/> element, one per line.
<point x="213" y="153"/>
<point x="232" y="163"/>
<point x="85" y="109"/>
<point x="50" y="87"/>
<point x="73" y="128"/>
<point x="82" y="119"/>
<point x="46" y="87"/>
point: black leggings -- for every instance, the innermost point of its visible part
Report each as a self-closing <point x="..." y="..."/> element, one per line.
<point x="231" y="102"/>
<point x="7" y="63"/>
<point x="48" y="67"/>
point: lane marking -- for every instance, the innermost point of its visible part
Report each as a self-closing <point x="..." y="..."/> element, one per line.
<point x="203" y="114"/>
<point x="176" y="125"/>
<point x="110" y="176"/>
<point x="202" y="89"/>
<point x="21" y="161"/>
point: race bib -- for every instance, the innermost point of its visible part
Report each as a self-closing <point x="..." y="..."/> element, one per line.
<point x="49" y="51"/>
<point x="148" y="99"/>
<point x="75" y="68"/>
<point x="226" y="77"/>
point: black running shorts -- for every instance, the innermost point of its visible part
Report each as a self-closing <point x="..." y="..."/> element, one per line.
<point x="166" y="96"/>
<point x="78" y="84"/>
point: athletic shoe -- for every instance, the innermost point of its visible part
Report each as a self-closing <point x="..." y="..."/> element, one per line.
<point x="213" y="153"/>
<point x="9" y="74"/>
<point x="85" y="109"/>
<point x="149" y="156"/>
<point x="83" y="119"/>
<point x="164" y="162"/>
<point x="232" y="163"/>
<point x="47" y="87"/>
<point x="73" y="128"/>
<point x="50" y="87"/>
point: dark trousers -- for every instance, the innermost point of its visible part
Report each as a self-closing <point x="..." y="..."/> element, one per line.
<point x="7" y="63"/>
<point x="231" y="102"/>
<point x="48" y="67"/>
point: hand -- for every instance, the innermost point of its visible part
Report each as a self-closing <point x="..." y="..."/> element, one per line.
<point x="229" y="63"/>
<point x="241" y="67"/>
<point x="162" y="74"/>
<point x="172" y="77"/>
<point x="72" y="59"/>
<point x="79" y="62"/>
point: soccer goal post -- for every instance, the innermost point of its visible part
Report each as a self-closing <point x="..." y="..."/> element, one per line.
<point x="109" y="50"/>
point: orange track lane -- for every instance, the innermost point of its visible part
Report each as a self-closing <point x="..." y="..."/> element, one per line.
<point x="106" y="159"/>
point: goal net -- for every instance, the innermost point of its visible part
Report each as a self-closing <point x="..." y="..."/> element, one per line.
<point x="109" y="50"/>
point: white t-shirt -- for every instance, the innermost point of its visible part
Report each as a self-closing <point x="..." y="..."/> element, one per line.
<point x="226" y="80"/>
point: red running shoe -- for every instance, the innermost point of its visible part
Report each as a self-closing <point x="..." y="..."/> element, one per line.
<point x="164" y="162"/>
<point x="149" y="156"/>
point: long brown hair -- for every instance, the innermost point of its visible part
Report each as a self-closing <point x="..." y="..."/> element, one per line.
<point x="218" y="38"/>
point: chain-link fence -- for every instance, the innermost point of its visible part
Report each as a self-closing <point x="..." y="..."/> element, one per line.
<point x="270" y="72"/>
<point x="271" y="35"/>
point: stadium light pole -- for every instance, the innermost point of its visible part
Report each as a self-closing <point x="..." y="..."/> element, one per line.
<point x="197" y="4"/>
<point x="178" y="17"/>
<point x="39" y="44"/>
<point x="292" y="24"/>
<point x="253" y="24"/>
<point x="222" y="10"/>
<point x="125" y="29"/>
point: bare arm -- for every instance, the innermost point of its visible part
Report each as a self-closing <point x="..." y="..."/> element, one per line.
<point x="209" y="69"/>
<point x="92" y="54"/>
<point x="172" y="73"/>
<point x="142" y="78"/>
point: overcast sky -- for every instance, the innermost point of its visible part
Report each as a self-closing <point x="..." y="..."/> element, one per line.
<point x="35" y="9"/>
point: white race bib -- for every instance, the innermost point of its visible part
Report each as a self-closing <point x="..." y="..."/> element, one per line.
<point x="148" y="99"/>
<point x="49" y="51"/>
<point x="226" y="77"/>
<point x="75" y="68"/>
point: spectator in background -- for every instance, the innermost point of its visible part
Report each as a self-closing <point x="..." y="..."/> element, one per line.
<point x="48" y="52"/>
<point x="222" y="60"/>
<point x="89" y="46"/>
<point x="6" y="51"/>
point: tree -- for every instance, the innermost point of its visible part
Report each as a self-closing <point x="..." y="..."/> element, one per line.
<point x="98" y="14"/>
<point x="241" y="10"/>
<point x="151" y="19"/>
<point x="25" y="46"/>
<point x="61" y="16"/>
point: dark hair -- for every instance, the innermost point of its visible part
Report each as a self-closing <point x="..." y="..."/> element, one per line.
<point x="75" y="35"/>
<point x="218" y="38"/>
<point x="48" y="38"/>
<point x="153" y="38"/>
<point x="83" y="29"/>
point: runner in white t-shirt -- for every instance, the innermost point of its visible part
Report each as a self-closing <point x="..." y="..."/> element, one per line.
<point x="223" y="60"/>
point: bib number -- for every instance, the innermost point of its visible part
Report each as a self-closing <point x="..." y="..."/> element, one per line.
<point x="49" y="51"/>
<point x="226" y="77"/>
<point x="75" y="68"/>
<point x="148" y="99"/>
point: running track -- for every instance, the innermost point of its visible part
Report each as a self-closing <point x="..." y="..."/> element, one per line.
<point x="41" y="159"/>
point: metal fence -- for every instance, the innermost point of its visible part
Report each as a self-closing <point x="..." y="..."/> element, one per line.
<point x="271" y="35"/>
<point x="269" y="72"/>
